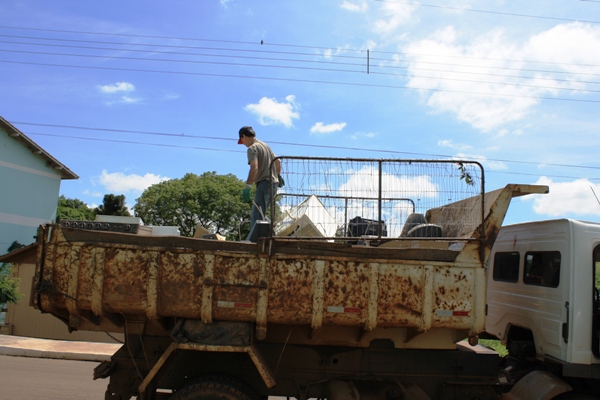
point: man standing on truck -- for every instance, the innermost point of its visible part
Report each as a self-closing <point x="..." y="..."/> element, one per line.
<point x="260" y="157"/>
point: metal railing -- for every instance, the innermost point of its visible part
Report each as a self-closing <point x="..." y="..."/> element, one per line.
<point x="345" y="198"/>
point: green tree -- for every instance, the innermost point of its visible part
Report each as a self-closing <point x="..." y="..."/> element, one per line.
<point x="212" y="200"/>
<point x="73" y="209"/>
<point x="9" y="286"/>
<point x="113" y="205"/>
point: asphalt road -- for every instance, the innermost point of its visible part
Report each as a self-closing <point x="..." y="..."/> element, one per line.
<point x="48" y="379"/>
<point x="51" y="379"/>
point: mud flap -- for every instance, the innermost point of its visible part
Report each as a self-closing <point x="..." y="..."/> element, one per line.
<point x="537" y="385"/>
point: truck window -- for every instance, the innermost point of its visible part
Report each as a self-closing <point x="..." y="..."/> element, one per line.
<point x="506" y="266"/>
<point x="542" y="268"/>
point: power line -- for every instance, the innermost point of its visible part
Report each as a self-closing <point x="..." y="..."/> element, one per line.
<point x="183" y="135"/>
<point x="297" y="80"/>
<point x="123" y="34"/>
<point x="180" y="61"/>
<point x="267" y="44"/>
<point x="487" y="11"/>
<point x="299" y="60"/>
<point x="292" y="67"/>
<point x="173" y="46"/>
<point x="410" y="75"/>
<point x="132" y="142"/>
<point x="312" y="146"/>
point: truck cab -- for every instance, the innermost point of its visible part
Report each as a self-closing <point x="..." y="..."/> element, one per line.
<point x="543" y="298"/>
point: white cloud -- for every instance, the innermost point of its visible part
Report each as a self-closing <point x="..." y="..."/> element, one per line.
<point x="271" y="112"/>
<point x="118" y="182"/>
<point x="361" y="6"/>
<point x="575" y="46"/>
<point x="457" y="6"/>
<point x="330" y="53"/>
<point x="321" y="128"/>
<point x="488" y="83"/>
<point x="455" y="146"/>
<point x="394" y="15"/>
<point x="360" y="135"/>
<point x="172" y="96"/>
<point x="487" y="164"/>
<point x="117" y="87"/>
<point x="127" y="99"/>
<point x="492" y="165"/>
<point x="123" y="100"/>
<point x="93" y="194"/>
<point x="575" y="197"/>
<point x="362" y="183"/>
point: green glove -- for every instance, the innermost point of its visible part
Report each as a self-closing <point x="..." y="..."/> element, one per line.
<point x="281" y="181"/>
<point x="246" y="194"/>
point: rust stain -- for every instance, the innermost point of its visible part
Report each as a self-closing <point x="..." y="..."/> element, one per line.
<point x="414" y="312"/>
<point x="239" y="278"/>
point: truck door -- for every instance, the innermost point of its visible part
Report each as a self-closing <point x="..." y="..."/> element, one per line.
<point x="596" y="303"/>
<point x="541" y="281"/>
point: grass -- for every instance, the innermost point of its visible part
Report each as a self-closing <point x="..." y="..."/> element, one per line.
<point x="495" y="345"/>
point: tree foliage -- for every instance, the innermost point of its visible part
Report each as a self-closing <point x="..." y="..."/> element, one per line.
<point x="9" y="286"/>
<point x="73" y="209"/>
<point x="465" y="175"/>
<point x="212" y="200"/>
<point x="113" y="205"/>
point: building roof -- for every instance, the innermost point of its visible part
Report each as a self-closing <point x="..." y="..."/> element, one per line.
<point x="51" y="162"/>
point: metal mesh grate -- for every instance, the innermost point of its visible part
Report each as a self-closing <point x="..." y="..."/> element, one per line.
<point x="332" y="197"/>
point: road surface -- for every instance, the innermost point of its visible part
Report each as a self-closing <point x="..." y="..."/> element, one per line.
<point x="48" y="379"/>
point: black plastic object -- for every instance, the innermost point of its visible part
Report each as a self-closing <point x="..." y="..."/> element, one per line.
<point x="359" y="226"/>
<point x="425" y="230"/>
<point x="261" y="229"/>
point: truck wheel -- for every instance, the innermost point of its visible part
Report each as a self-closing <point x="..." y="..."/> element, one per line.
<point x="215" y="387"/>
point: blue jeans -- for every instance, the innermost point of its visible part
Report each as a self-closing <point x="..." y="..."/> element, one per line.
<point x="262" y="199"/>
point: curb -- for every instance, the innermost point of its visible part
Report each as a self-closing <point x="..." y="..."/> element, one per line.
<point x="58" y="355"/>
<point x="18" y="346"/>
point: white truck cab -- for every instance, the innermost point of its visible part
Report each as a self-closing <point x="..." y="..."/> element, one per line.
<point x="543" y="295"/>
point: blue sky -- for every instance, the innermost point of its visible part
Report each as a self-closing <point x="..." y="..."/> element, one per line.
<point x="127" y="94"/>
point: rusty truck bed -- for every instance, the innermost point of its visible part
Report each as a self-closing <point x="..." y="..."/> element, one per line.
<point x="408" y="291"/>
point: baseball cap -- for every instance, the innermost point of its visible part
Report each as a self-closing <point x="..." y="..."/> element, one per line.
<point x="247" y="131"/>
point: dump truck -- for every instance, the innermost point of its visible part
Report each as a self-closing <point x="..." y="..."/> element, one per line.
<point x="370" y="283"/>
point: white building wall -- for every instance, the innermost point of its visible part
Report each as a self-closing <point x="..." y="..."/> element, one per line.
<point x="30" y="191"/>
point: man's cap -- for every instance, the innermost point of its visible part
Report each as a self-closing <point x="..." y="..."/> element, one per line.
<point x="246" y="131"/>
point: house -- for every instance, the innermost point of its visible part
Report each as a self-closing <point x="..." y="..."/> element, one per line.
<point x="30" y="179"/>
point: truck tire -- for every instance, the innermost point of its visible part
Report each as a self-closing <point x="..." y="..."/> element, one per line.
<point x="215" y="387"/>
<point x="574" y="396"/>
